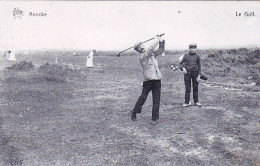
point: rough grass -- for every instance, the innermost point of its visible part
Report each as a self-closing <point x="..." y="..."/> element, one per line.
<point x="226" y="65"/>
<point x="53" y="73"/>
<point x="86" y="119"/>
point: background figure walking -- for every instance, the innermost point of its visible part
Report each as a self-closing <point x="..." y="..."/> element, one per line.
<point x="90" y="58"/>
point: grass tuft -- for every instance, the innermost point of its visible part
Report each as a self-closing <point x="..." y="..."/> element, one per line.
<point x="54" y="72"/>
<point x="24" y="65"/>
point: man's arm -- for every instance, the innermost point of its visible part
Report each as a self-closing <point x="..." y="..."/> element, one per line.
<point x="182" y="61"/>
<point x="160" y="49"/>
<point x="199" y="64"/>
<point x="150" y="50"/>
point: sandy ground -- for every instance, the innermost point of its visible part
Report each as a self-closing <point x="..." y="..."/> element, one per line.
<point x="86" y="121"/>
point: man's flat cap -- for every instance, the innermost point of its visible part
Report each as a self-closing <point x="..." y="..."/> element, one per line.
<point x="193" y="45"/>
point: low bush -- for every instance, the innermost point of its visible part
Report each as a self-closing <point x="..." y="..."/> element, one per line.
<point x="230" y="65"/>
<point x="24" y="65"/>
<point x="54" y="72"/>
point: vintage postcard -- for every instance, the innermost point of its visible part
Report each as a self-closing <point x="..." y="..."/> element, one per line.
<point x="129" y="83"/>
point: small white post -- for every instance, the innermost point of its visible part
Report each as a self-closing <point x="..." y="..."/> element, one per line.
<point x="56" y="59"/>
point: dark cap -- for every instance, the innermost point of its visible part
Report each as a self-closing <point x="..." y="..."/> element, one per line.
<point x="193" y="45"/>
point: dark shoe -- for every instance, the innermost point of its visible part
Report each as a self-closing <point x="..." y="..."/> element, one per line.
<point x="133" y="115"/>
<point x="154" y="122"/>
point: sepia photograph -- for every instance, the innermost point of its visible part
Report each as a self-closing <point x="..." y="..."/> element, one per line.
<point x="130" y="83"/>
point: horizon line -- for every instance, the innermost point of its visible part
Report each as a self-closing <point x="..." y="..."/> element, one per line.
<point x="112" y="50"/>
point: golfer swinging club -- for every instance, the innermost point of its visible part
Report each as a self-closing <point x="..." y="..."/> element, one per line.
<point x="152" y="76"/>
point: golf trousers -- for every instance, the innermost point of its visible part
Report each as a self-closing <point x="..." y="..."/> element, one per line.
<point x="188" y="78"/>
<point x="155" y="87"/>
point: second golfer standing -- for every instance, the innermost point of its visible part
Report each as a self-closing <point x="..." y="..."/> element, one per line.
<point x="152" y="76"/>
<point x="191" y="62"/>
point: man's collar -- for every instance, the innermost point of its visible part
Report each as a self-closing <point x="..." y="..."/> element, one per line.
<point x="192" y="53"/>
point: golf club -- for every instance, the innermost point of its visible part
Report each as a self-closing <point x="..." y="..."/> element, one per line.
<point x="133" y="46"/>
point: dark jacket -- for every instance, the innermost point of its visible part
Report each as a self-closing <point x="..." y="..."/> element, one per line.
<point x="191" y="62"/>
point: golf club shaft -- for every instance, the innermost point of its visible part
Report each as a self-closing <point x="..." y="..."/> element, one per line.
<point x="133" y="46"/>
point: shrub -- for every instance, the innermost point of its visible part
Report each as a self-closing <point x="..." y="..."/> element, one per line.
<point x="24" y="65"/>
<point x="54" y="72"/>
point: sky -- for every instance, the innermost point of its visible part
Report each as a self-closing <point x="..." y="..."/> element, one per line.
<point x="117" y="25"/>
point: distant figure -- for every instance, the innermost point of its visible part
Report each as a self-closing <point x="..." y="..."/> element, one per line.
<point x="12" y="56"/>
<point x="7" y="54"/>
<point x="90" y="58"/>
